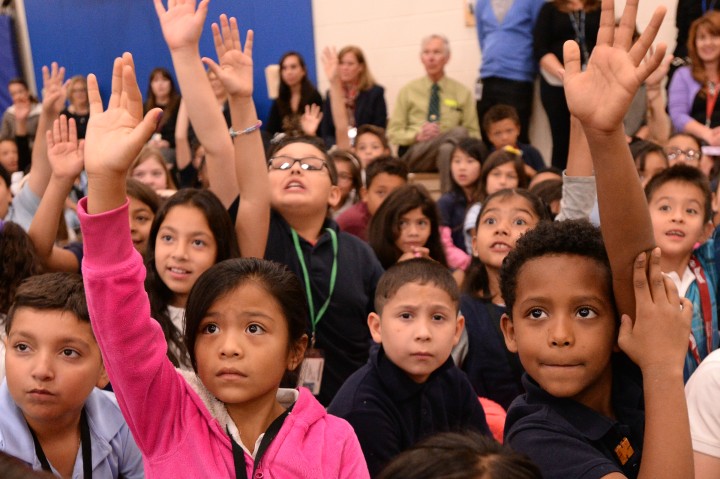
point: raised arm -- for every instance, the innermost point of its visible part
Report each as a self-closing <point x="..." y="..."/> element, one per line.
<point x="183" y="152"/>
<point x="599" y="97"/>
<point x="337" y="102"/>
<point x="579" y="192"/>
<point x="182" y="25"/>
<point x="236" y="73"/>
<point x="54" y="96"/>
<point x="658" y="120"/>
<point x="65" y="155"/>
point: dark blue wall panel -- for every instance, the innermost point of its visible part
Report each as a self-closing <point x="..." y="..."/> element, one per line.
<point x="9" y="64"/>
<point x="85" y="36"/>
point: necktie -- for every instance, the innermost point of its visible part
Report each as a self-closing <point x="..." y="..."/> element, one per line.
<point x="434" y="106"/>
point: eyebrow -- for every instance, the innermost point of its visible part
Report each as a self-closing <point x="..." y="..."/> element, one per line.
<point x="63" y="339"/>
<point x="191" y="233"/>
<point x="514" y="210"/>
<point x="250" y="313"/>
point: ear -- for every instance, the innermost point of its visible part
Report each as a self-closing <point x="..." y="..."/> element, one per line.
<point x="334" y="196"/>
<point x="508" y="330"/>
<point x="103" y="378"/>
<point x="459" y="327"/>
<point x="298" y="353"/>
<point x="474" y="245"/>
<point x="363" y="194"/>
<point x="375" y="329"/>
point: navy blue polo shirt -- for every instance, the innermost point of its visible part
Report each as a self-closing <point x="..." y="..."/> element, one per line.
<point x="569" y="440"/>
<point x="342" y="332"/>
<point x="494" y="372"/>
<point x="452" y="207"/>
<point x="390" y="412"/>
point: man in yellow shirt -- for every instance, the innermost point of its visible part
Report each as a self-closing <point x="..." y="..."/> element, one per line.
<point x="432" y="113"/>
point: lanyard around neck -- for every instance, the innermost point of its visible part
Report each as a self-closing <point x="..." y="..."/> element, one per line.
<point x="315" y="317"/>
<point x="578" y="23"/>
<point x="705" y="309"/>
<point x="270" y="434"/>
<point x="85" y="444"/>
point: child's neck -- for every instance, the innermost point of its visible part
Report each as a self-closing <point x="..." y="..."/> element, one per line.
<point x="675" y="263"/>
<point x="469" y="193"/>
<point x="308" y="227"/>
<point x="254" y="417"/>
<point x="60" y="441"/>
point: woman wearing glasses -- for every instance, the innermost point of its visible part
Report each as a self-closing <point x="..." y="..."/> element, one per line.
<point x="694" y="89"/>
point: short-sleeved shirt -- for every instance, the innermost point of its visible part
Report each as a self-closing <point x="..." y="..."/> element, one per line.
<point x="390" y="412"/>
<point x="342" y="332"/>
<point x="702" y="391"/>
<point x="569" y="440"/>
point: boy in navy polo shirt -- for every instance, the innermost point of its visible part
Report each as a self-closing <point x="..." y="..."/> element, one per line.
<point x="410" y="388"/>
<point x="585" y="414"/>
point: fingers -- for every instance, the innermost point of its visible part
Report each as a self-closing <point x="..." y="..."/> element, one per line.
<point x="217" y="40"/>
<point x="131" y="92"/>
<point x="640" y="279"/>
<point x="71" y="130"/>
<point x="626" y="29"/>
<point x="656" y="278"/>
<point x="96" y="106"/>
<point x="225" y="34"/>
<point x="116" y="84"/>
<point x="159" y="8"/>
<point x="644" y="43"/>
<point x="142" y="132"/>
<point x="571" y="56"/>
<point x="652" y="63"/>
<point x="249" y="40"/>
<point x="62" y="129"/>
<point x="214" y="67"/>
<point x="606" y="34"/>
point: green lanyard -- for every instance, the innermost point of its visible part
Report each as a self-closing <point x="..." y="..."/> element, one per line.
<point x="315" y="318"/>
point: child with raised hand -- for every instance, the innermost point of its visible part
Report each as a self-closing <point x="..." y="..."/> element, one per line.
<point x="562" y="321"/>
<point x="245" y="328"/>
<point x="493" y="371"/>
<point x="338" y="270"/>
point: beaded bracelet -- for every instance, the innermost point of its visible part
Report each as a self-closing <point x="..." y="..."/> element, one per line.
<point x="250" y="129"/>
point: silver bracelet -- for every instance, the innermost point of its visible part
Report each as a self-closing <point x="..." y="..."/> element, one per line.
<point x="250" y="129"/>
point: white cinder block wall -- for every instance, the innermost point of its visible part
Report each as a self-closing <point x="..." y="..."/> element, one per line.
<point x="389" y="32"/>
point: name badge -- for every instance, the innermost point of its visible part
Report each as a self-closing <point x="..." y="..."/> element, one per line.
<point x="311" y="370"/>
<point x="450" y="103"/>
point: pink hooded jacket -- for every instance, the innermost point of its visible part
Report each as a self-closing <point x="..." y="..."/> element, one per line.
<point x="177" y="424"/>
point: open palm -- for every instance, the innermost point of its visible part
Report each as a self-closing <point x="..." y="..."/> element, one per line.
<point x="235" y="70"/>
<point x="115" y="136"/>
<point x="65" y="154"/>
<point x="181" y="22"/>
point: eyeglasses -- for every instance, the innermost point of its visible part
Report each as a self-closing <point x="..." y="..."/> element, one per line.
<point x="674" y="153"/>
<point x="310" y="163"/>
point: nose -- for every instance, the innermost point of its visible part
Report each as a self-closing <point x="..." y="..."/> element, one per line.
<point x="502" y="228"/>
<point x="560" y="332"/>
<point x="180" y="250"/>
<point x="230" y="347"/>
<point x="422" y="330"/>
<point x="42" y="367"/>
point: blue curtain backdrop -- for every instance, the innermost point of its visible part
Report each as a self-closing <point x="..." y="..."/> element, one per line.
<point x="9" y="64"/>
<point x="85" y="36"/>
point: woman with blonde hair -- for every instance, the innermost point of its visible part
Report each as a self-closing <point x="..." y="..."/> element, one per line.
<point x="364" y="100"/>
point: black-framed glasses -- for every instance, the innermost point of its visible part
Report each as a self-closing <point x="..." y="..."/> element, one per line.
<point x="673" y="153"/>
<point x="311" y="163"/>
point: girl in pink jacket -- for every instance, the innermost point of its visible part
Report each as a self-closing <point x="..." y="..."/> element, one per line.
<point x="245" y="327"/>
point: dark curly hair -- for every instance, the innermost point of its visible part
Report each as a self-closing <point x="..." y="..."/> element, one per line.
<point x="384" y="228"/>
<point x="572" y="237"/>
<point x="17" y="261"/>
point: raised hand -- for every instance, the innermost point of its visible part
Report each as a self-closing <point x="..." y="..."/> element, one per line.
<point x="235" y="70"/>
<point x="310" y="121"/>
<point x="54" y="90"/>
<point x="65" y="153"/>
<point x="330" y="63"/>
<point x="659" y="335"/>
<point x="22" y="110"/>
<point x="600" y="96"/>
<point x="181" y="22"/>
<point x="115" y="136"/>
<point x="660" y="73"/>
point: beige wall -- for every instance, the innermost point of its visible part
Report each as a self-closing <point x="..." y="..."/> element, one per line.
<point x="389" y="32"/>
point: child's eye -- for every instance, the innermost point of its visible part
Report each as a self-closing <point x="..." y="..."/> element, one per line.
<point x="211" y="328"/>
<point x="664" y="208"/>
<point x="142" y="219"/>
<point x="21" y="347"/>
<point x="520" y="222"/>
<point x="70" y="353"/>
<point x="423" y="222"/>
<point x="166" y="238"/>
<point x="586" y="312"/>
<point x="405" y="315"/>
<point x="489" y="220"/>
<point x="198" y="242"/>
<point x="255" y="329"/>
<point x="438" y="317"/>
<point x="691" y="211"/>
<point x="537" y="313"/>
